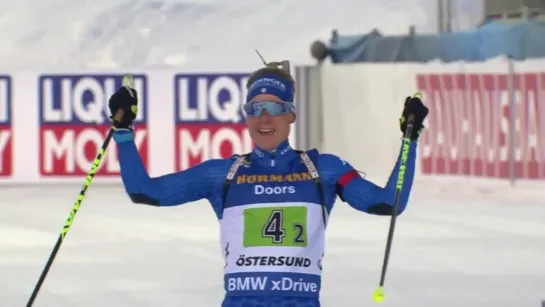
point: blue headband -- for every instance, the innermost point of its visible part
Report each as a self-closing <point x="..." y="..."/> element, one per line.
<point x="271" y="83"/>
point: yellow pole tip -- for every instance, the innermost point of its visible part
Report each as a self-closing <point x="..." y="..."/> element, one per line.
<point x="378" y="296"/>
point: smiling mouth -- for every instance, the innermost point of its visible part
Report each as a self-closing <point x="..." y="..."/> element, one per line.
<point x="266" y="131"/>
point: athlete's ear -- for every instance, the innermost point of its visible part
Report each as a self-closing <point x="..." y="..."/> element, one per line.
<point x="293" y="117"/>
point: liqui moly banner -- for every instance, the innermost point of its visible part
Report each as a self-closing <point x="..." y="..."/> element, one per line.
<point x="52" y="124"/>
<point x="6" y="149"/>
<point x="209" y="120"/>
<point x="486" y="120"/>
<point x="74" y="120"/>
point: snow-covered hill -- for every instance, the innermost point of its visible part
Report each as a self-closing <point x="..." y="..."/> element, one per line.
<point x="198" y="34"/>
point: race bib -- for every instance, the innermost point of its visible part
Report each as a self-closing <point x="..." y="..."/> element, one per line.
<point x="275" y="226"/>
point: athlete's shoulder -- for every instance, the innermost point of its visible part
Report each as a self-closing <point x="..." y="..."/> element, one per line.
<point x="331" y="166"/>
<point x="218" y="167"/>
<point x="327" y="160"/>
<point x="234" y="157"/>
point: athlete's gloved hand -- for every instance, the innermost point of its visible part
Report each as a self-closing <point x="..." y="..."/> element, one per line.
<point x="414" y="106"/>
<point x="127" y="100"/>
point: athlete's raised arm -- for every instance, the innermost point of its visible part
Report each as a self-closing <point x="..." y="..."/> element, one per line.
<point x="202" y="181"/>
<point x="366" y="196"/>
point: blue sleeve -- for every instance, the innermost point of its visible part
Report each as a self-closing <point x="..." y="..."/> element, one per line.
<point x="203" y="181"/>
<point x="364" y="195"/>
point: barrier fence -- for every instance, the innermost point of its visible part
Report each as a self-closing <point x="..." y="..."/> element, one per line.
<point x="486" y="119"/>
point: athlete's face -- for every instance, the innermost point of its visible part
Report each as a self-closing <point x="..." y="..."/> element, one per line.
<point x="269" y="131"/>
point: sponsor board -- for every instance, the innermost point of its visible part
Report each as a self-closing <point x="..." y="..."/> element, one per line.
<point x="74" y="120"/>
<point x="469" y="126"/>
<point x="209" y="120"/>
<point x="6" y="131"/>
<point x="486" y="120"/>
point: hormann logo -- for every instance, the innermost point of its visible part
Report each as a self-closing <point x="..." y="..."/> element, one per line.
<point x="241" y="179"/>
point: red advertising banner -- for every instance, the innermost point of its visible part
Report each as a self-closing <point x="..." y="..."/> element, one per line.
<point x="470" y="123"/>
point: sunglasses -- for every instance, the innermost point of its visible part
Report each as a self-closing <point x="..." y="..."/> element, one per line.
<point x="273" y="108"/>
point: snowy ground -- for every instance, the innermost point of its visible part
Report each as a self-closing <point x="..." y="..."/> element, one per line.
<point x="447" y="253"/>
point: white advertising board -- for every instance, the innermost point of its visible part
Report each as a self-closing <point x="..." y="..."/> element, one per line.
<point x="52" y="124"/>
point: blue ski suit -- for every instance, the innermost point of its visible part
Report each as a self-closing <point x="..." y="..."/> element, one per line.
<point x="272" y="208"/>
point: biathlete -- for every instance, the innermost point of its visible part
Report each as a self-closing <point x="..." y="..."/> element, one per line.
<point x="272" y="204"/>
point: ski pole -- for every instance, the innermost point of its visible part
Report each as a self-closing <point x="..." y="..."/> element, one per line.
<point x="128" y="82"/>
<point x="379" y="294"/>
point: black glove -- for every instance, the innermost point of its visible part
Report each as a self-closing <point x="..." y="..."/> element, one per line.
<point x="127" y="100"/>
<point x="414" y="106"/>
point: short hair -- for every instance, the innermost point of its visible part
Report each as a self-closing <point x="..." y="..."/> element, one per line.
<point x="271" y="68"/>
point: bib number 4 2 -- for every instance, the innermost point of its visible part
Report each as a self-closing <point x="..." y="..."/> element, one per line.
<point x="274" y="229"/>
<point x="277" y="226"/>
